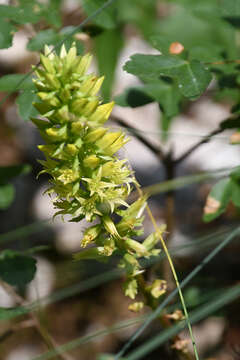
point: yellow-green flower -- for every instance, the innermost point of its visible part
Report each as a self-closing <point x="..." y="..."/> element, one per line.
<point x="87" y="177"/>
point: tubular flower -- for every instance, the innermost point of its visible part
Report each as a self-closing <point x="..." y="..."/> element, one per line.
<point x="87" y="178"/>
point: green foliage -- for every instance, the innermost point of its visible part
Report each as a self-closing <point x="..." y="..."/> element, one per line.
<point x="16" y="268"/>
<point x="6" y="33"/>
<point x="222" y="193"/>
<point x="7" y="190"/>
<point x="15" y="82"/>
<point x="192" y="77"/>
<point x="25" y="104"/>
<point x="107" y="59"/>
<point x="44" y="37"/>
<point x="7" y="193"/>
<point x="106" y="19"/>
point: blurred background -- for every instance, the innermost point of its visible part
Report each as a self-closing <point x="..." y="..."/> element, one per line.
<point x="84" y="301"/>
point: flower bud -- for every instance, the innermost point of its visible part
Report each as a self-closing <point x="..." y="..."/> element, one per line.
<point x="110" y="226"/>
<point x="95" y="134"/>
<point x="136" y="307"/>
<point x="137" y="247"/>
<point x="157" y="288"/>
<point x="90" y="234"/>
<point x="102" y="113"/>
<point x="47" y="64"/>
<point x="108" y="139"/>
<point x="91" y="161"/>
<point x="84" y="64"/>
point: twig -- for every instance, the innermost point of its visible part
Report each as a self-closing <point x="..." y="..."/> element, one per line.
<point x="196" y="146"/>
<point x="156" y="150"/>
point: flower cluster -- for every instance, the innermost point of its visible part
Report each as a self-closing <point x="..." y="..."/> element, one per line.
<point x="87" y="177"/>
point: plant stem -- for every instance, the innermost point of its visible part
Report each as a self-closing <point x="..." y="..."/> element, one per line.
<point x="174" y="275"/>
<point x="197" y="145"/>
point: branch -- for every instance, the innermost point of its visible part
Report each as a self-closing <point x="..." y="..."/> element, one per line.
<point x="156" y="150"/>
<point x="196" y="146"/>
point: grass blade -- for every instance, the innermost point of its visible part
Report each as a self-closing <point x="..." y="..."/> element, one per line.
<point x="211" y="307"/>
<point x="157" y="312"/>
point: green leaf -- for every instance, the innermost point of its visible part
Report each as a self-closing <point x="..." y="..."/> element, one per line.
<point x="44" y="37"/>
<point x="133" y="97"/>
<point x="235" y="187"/>
<point x="52" y="13"/>
<point x="107" y="58"/>
<point x="217" y="200"/>
<point x="9" y="313"/>
<point x="192" y="77"/>
<point x="161" y="43"/>
<point x="21" y="14"/>
<point x="25" y="104"/>
<point x="9" y="172"/>
<point x="7" y="193"/>
<point x="15" y="268"/>
<point x="205" y="52"/>
<point x="67" y="36"/>
<point x="199" y="24"/>
<point x="15" y="82"/>
<point x="6" y="33"/>
<point x="230" y="7"/>
<point x="141" y="13"/>
<point x="107" y="18"/>
<point x="235" y="175"/>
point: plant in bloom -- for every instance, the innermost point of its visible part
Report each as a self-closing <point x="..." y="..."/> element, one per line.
<point x="87" y="177"/>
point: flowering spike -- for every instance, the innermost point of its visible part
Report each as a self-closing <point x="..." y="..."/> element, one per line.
<point x="89" y="181"/>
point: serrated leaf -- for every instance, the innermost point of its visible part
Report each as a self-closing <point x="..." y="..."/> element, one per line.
<point x="52" y="13"/>
<point x="7" y="193"/>
<point x="217" y="200"/>
<point x="25" y="104"/>
<point x="161" y="43"/>
<point x="107" y="18"/>
<point x="15" y="268"/>
<point x="9" y="172"/>
<point x="6" y="33"/>
<point x="20" y="14"/>
<point x="44" y="37"/>
<point x="192" y="77"/>
<point x="107" y="59"/>
<point x="15" y="82"/>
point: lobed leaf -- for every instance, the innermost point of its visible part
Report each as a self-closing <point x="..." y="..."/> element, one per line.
<point x="15" y="82"/>
<point x="16" y="268"/>
<point x="192" y="77"/>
